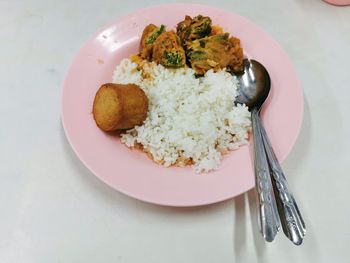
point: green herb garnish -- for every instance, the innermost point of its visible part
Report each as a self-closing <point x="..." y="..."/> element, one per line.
<point x="173" y="59"/>
<point x="155" y="34"/>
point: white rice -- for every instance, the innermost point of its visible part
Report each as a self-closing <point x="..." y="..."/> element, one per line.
<point x="188" y="117"/>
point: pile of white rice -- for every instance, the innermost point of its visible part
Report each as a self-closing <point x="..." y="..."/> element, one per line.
<point x="189" y="118"/>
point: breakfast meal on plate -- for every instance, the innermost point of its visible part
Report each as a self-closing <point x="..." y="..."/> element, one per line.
<point x="175" y="99"/>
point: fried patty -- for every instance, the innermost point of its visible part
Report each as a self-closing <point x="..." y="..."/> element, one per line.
<point x="119" y="106"/>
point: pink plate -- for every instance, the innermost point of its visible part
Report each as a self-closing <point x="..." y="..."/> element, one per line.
<point x="338" y="2"/>
<point x="132" y="172"/>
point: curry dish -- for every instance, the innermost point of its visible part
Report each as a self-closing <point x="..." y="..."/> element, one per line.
<point x="196" y="44"/>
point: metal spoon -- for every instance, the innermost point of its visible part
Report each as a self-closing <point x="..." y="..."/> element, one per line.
<point x="254" y="88"/>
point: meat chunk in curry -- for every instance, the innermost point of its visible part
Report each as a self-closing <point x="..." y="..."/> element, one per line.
<point x="167" y="51"/>
<point x="215" y="52"/>
<point x="193" y="28"/>
<point x="149" y="36"/>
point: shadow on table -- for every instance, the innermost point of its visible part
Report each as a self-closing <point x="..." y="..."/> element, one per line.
<point x="245" y="206"/>
<point x="246" y="211"/>
<point x="296" y="158"/>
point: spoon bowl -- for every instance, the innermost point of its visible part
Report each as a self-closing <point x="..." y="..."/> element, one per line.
<point x="254" y="85"/>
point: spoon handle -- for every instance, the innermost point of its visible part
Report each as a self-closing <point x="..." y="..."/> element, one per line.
<point x="267" y="215"/>
<point x="292" y="222"/>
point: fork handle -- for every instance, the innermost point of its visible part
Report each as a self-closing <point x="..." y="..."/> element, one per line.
<point x="267" y="214"/>
<point x="291" y="220"/>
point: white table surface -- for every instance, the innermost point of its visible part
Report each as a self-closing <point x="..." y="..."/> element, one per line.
<point x="52" y="209"/>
